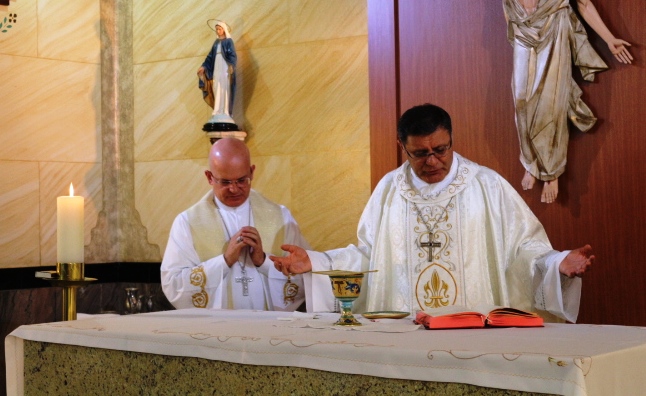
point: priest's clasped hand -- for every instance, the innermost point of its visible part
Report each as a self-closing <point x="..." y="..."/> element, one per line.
<point x="577" y="262"/>
<point x="296" y="262"/>
<point x="247" y="237"/>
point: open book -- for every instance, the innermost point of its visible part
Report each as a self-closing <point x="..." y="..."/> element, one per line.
<point x="457" y="317"/>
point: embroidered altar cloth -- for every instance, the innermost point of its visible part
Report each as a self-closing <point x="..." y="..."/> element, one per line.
<point x="563" y="359"/>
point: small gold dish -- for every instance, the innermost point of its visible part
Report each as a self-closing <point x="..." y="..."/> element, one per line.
<point x="385" y="315"/>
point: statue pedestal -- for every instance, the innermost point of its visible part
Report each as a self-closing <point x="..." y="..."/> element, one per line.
<point x="216" y="135"/>
<point x="222" y="126"/>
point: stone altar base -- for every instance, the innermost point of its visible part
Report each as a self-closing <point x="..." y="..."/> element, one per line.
<point x="66" y="369"/>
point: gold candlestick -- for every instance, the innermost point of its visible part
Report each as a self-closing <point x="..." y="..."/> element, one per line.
<point x="69" y="276"/>
<point x="71" y="271"/>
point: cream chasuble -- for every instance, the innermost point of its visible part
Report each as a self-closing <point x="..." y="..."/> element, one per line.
<point x="492" y="248"/>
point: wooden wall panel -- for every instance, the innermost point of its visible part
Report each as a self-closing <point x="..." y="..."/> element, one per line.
<point x="384" y="94"/>
<point x="455" y="54"/>
<point x="445" y="59"/>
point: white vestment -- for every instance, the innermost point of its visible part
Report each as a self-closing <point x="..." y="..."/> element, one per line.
<point x="221" y="84"/>
<point x="184" y="275"/>
<point x="493" y="249"/>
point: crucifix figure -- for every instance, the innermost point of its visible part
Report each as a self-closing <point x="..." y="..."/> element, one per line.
<point x="430" y="245"/>
<point x="244" y="279"/>
<point x="547" y="98"/>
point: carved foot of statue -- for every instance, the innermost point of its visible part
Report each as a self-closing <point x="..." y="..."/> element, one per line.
<point x="550" y="191"/>
<point x="528" y="181"/>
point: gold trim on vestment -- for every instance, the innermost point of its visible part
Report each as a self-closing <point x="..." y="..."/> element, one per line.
<point x="198" y="278"/>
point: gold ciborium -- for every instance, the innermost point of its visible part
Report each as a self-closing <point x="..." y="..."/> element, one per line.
<point x="346" y="286"/>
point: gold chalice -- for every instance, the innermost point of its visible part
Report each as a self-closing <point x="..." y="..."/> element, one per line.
<point x="346" y="286"/>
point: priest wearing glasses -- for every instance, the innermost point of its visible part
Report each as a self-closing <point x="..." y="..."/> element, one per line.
<point x="218" y="250"/>
<point x="442" y="230"/>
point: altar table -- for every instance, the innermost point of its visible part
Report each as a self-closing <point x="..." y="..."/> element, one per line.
<point x="562" y="359"/>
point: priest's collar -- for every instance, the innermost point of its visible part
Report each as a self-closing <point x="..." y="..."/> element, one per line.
<point x="244" y="208"/>
<point x="432" y="189"/>
<point x="413" y="188"/>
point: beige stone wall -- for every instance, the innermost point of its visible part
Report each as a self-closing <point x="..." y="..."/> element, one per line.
<point x="49" y="123"/>
<point x="302" y="97"/>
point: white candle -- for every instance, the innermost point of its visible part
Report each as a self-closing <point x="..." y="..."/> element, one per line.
<point x="69" y="221"/>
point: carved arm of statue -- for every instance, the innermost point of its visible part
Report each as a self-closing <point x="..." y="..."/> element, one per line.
<point x="617" y="46"/>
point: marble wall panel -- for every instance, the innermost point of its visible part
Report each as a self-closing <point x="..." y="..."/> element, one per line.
<point x="258" y="23"/>
<point x="328" y="210"/>
<point x="175" y="29"/>
<point x="273" y="178"/>
<point x="28" y="306"/>
<point x="319" y="102"/>
<point x="293" y="99"/>
<point x="55" y="181"/>
<point x="24" y="307"/>
<point x="163" y="189"/>
<point x="169" y="111"/>
<point x="22" y="37"/>
<point x="19" y="214"/>
<point x="303" y="93"/>
<point x="324" y="20"/>
<point x="53" y="111"/>
<point x="110" y="298"/>
<point x="69" y="30"/>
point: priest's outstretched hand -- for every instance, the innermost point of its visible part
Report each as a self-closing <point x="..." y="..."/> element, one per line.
<point x="577" y="262"/>
<point x="296" y="262"/>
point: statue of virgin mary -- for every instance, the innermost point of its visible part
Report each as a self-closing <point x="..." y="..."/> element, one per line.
<point x="218" y="79"/>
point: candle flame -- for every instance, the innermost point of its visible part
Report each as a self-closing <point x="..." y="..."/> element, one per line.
<point x="71" y="190"/>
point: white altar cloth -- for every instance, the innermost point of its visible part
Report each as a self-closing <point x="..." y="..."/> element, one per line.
<point x="558" y="358"/>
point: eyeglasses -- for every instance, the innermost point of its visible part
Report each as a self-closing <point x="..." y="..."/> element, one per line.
<point x="438" y="152"/>
<point x="224" y="183"/>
